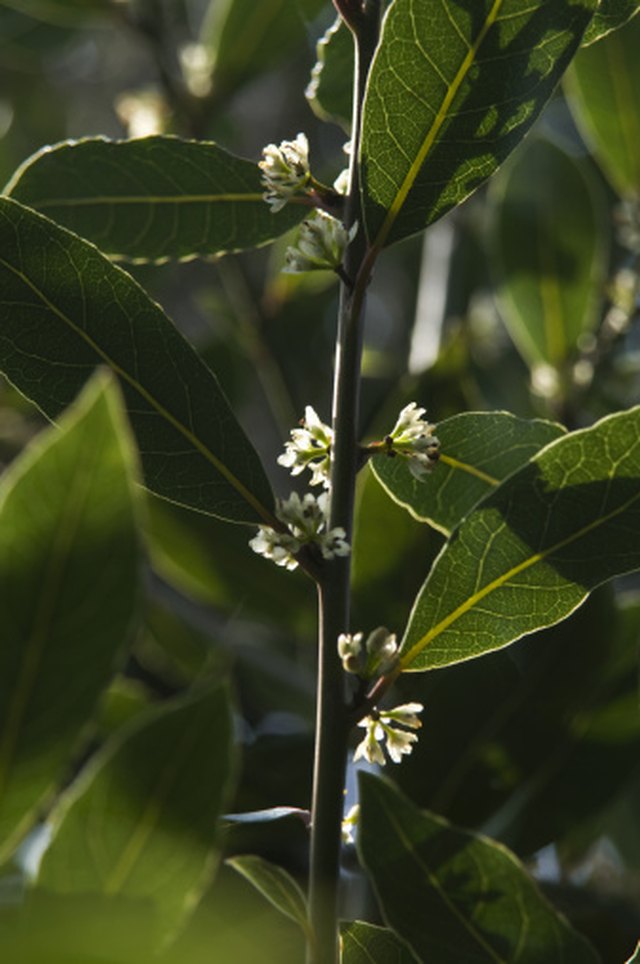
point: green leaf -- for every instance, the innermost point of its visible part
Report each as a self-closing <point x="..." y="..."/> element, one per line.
<point x="142" y="822"/>
<point x="67" y="13"/>
<point x="245" y="38"/>
<point x="610" y="15"/>
<point x="68" y="594"/>
<point x="549" y="251"/>
<point x="367" y="944"/>
<point x="455" y="896"/>
<point x="67" y="309"/>
<point x="478" y="450"/>
<point x="330" y="90"/>
<point x="602" y="84"/>
<point x="453" y="88"/>
<point x="636" y="956"/>
<point x="529" y="554"/>
<point x="276" y="885"/>
<point x="152" y="198"/>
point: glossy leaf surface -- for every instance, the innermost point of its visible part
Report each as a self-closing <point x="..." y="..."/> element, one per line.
<point x="636" y="957"/>
<point x="152" y="198"/>
<point x="364" y="943"/>
<point x="548" y="252"/>
<point x="330" y="91"/>
<point x="68" y="310"/>
<point x="530" y="553"/>
<point x="610" y="15"/>
<point x="274" y="883"/>
<point x="603" y="85"/>
<point x="68" y="594"/>
<point x="142" y="824"/>
<point x="479" y="902"/>
<point x="453" y="89"/>
<point x="477" y="451"/>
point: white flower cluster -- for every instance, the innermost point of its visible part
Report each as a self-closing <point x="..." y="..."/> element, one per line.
<point x="309" y="447"/>
<point x="388" y="726"/>
<point x="306" y="521"/>
<point x="285" y="171"/>
<point x="412" y="439"/>
<point x="320" y="244"/>
<point x="375" y="658"/>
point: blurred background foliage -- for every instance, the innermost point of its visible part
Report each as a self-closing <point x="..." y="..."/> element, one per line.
<point x="526" y="298"/>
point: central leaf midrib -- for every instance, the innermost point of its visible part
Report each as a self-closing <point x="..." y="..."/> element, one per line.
<point x="430" y="137"/>
<point x="97" y="200"/>
<point x="501" y="580"/>
<point x="151" y="400"/>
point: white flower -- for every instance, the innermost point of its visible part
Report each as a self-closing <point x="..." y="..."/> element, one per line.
<point x="278" y="546"/>
<point x="375" y="658"/>
<point x="350" y="652"/>
<point x="388" y="725"/>
<point x="285" y="171"/>
<point x="342" y="182"/>
<point x="412" y="439"/>
<point x="309" y="447"/>
<point x="320" y="245"/>
<point x="306" y="521"/>
<point x="349" y="824"/>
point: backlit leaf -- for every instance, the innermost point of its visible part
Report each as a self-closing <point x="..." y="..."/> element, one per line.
<point x="330" y="91"/>
<point x="152" y="198"/>
<point x="477" y="451"/>
<point x="142" y="822"/>
<point x="67" y="309"/>
<point x="529" y="554"/>
<point x="455" y="896"/>
<point x="610" y="15"/>
<point x="275" y="884"/>
<point x="364" y="943"/>
<point x="68" y="594"/>
<point x="453" y="89"/>
<point x="548" y="250"/>
<point x="603" y="84"/>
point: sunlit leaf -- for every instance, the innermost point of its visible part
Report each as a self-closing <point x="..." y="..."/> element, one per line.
<point x="67" y="309"/>
<point x="274" y="883"/>
<point x="364" y="943"/>
<point x="68" y="594"/>
<point x="142" y="823"/>
<point x="330" y="91"/>
<point x="548" y="251"/>
<point x="478" y="450"/>
<point x="529" y="554"/>
<point x="453" y="89"/>
<point x="610" y="15"/>
<point x="152" y="198"/>
<point x="603" y="83"/>
<point x="452" y="895"/>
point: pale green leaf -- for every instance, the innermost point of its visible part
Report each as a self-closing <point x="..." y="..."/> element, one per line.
<point x="477" y="451"/>
<point x="455" y="896"/>
<point x="66" y="310"/>
<point x="276" y="884"/>
<point x="529" y="554"/>
<point x="610" y="15"/>
<point x="142" y="822"/>
<point x="68" y="594"/>
<point x="603" y="85"/>
<point x="548" y="251"/>
<point x="152" y="198"/>
<point x="364" y="943"/>
<point x="453" y="89"/>
<point x="330" y="91"/>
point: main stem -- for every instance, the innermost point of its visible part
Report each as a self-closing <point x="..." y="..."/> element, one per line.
<point x="332" y="721"/>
